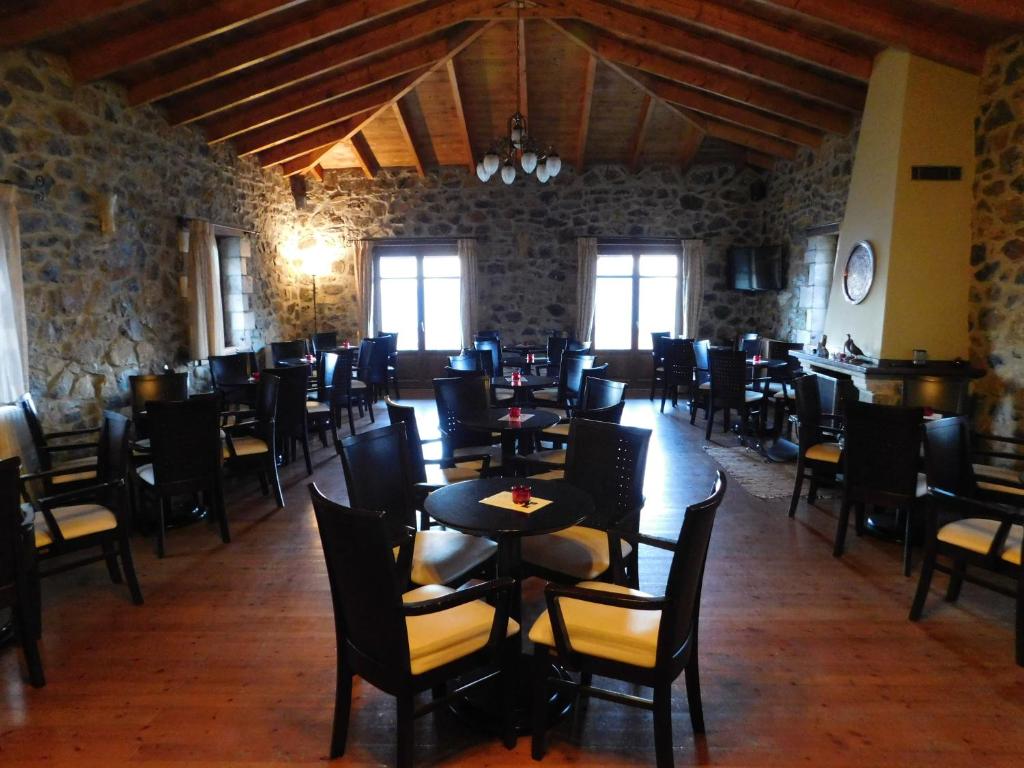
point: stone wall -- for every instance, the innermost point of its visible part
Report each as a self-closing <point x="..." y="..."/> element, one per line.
<point x="527" y="237"/>
<point x="997" y="256"/>
<point x="807" y="192"/>
<point x="101" y="307"/>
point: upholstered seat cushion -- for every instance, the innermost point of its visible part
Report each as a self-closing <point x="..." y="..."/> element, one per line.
<point x="548" y="393"/>
<point x="556" y="457"/>
<point x="618" y="634"/>
<point x="975" y="534"/>
<point x="315" y="407"/>
<point x="145" y="474"/>
<point x="74" y="522"/>
<point x="1011" y="490"/>
<point x="504" y="395"/>
<point x="553" y="474"/>
<point x="440" y="557"/>
<point x="752" y="397"/>
<point x="436" y="639"/>
<point x="79" y="470"/>
<point x="829" y="452"/>
<point x="466" y="470"/>
<point x="996" y="474"/>
<point x="578" y="551"/>
<point x="705" y="386"/>
<point x="558" y="430"/>
<point x="246" y="445"/>
<point x="357" y="384"/>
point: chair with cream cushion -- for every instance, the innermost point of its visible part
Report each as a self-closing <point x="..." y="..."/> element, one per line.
<point x="677" y="370"/>
<point x="292" y="422"/>
<point x="880" y="467"/>
<point x="819" y="454"/>
<point x="543" y="460"/>
<point x="249" y="444"/>
<point x="93" y="517"/>
<point x="701" y="378"/>
<point x="407" y="643"/>
<point x="658" y="341"/>
<point x="346" y="391"/>
<point x="454" y="398"/>
<point x="610" y="630"/>
<point x="378" y="476"/>
<point x="76" y="471"/>
<point x="608" y="461"/>
<point x="570" y="381"/>
<point x="599" y="395"/>
<point x="430" y="474"/>
<point x="729" y="392"/>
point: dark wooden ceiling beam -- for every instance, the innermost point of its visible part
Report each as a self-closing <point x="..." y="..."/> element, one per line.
<point x="750" y="139"/>
<point x="262" y="47"/>
<point x="460" y="117"/>
<point x="758" y="31"/>
<point x="91" y="62"/>
<point x="364" y="156"/>
<point x="292" y="154"/>
<point x="1002" y="11"/>
<point x="884" y="26"/>
<point x="307" y="95"/>
<point x="734" y="112"/>
<point x="759" y="160"/>
<point x="718" y="53"/>
<point x="402" y="118"/>
<point x="734" y="87"/>
<point x="586" y="103"/>
<point x="320" y="117"/>
<point x="524" y="105"/>
<point x="44" y="18"/>
<point x="637" y="145"/>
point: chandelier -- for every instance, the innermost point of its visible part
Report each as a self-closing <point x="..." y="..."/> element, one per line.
<point x="518" y="144"/>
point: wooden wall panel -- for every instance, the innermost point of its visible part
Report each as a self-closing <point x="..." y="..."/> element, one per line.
<point x="436" y="107"/>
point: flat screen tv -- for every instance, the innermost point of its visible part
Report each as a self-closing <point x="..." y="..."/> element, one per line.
<point x="755" y="269"/>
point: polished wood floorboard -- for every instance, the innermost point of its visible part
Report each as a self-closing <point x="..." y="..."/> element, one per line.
<point x="806" y="660"/>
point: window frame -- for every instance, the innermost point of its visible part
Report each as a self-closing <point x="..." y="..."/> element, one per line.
<point x="635" y="249"/>
<point x="419" y="251"/>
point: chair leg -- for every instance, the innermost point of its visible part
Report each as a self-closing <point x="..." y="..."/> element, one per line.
<point x="405" y="730"/>
<point x="663" y="725"/>
<point x="924" y="582"/>
<point x="725" y="420"/>
<point x="165" y="507"/>
<point x="342" y="710"/>
<point x="509" y="678"/>
<point x="33" y="660"/>
<point x="538" y="744"/>
<point x="956" y="579"/>
<point x="797" y="487"/>
<point x="128" y="564"/>
<point x="693" y="411"/>
<point x="710" y="418"/>
<point x="693" y="696"/>
<point x="222" y="513"/>
<point x="262" y="477"/>
<point x="305" y="453"/>
<point x="907" y="548"/>
<point x="275" y="480"/>
<point x="841" y="526"/>
<point x="110" y="556"/>
<point x="394" y="380"/>
<point x="351" y="421"/>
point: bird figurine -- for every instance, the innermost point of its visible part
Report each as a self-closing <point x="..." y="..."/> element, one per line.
<point x="851" y="347"/>
<point x="821" y="350"/>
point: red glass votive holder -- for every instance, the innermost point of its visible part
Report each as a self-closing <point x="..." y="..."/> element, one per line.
<point x="515" y="413"/>
<point x="521" y="494"/>
<point x="255" y="375"/>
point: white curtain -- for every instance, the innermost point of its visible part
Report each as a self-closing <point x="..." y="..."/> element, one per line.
<point x="363" y="261"/>
<point x="468" y="267"/>
<point x="690" y="297"/>
<point x="586" y="286"/>
<point x="13" y="334"/>
<point x="206" y="308"/>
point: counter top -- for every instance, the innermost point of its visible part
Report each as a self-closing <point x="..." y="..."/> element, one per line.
<point x="888" y="367"/>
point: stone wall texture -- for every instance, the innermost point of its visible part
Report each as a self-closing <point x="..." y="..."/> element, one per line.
<point x="102" y="307"/>
<point x="527" y="237"/>
<point x="997" y="255"/>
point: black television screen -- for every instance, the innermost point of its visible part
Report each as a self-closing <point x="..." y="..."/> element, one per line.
<point x="755" y="269"/>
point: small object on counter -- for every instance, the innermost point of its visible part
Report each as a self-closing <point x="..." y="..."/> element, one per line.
<point x="851" y="347"/>
<point x="920" y="357"/>
<point x="821" y="350"/>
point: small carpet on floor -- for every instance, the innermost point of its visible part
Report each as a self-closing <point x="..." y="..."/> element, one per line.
<point x="758" y="477"/>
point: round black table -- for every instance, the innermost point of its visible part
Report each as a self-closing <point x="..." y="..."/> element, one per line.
<point x="527" y="383"/>
<point x="766" y="363"/>
<point x="496" y="420"/>
<point x="525" y="349"/>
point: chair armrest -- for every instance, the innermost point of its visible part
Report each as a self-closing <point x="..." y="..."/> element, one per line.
<point x="71" y="433"/>
<point x="237" y="424"/>
<point x="634" y="537"/>
<point x="53" y="473"/>
<point x="998" y="438"/>
<point x="976" y="507"/>
<point x="61" y="499"/>
<point x="463" y="595"/>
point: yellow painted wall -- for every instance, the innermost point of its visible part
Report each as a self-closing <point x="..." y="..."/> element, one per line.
<point x="917" y="113"/>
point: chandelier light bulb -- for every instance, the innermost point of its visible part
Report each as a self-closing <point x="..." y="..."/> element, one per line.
<point x="554" y="164"/>
<point x="491" y="163"/>
<point x="528" y="161"/>
<point x="543" y="174"/>
<point x="508" y="173"/>
<point x="481" y="172"/>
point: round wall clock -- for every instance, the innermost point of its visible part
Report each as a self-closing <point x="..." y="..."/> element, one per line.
<point x="859" y="272"/>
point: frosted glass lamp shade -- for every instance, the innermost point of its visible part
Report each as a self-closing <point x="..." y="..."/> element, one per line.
<point x="481" y="172"/>
<point x="508" y="173"/>
<point x="529" y="161"/>
<point x="491" y="163"/>
<point x="543" y="174"/>
<point x="554" y="164"/>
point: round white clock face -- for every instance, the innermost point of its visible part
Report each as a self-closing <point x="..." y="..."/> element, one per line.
<point x="859" y="272"/>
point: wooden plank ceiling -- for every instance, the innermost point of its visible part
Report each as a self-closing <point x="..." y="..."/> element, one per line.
<point x="312" y="84"/>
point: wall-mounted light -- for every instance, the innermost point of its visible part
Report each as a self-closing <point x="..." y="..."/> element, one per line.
<point x="183" y="239"/>
<point x="108" y="212"/>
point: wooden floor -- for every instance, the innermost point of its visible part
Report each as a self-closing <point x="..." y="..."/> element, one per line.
<point x="806" y="660"/>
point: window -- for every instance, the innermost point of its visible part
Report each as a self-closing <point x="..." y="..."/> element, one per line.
<point x="636" y="295"/>
<point x="419" y="296"/>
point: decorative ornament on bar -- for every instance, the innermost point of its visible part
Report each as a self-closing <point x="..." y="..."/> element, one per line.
<point x="518" y="144"/>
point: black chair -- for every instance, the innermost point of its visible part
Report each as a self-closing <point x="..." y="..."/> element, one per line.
<point x="780" y="388"/>
<point x="94" y="517"/>
<point x="612" y="631"/>
<point x="391" y="342"/>
<point x="750" y="344"/>
<point x="325" y="341"/>
<point x="595" y="373"/>
<point x="950" y="464"/>
<point x="701" y="377"/>
<point x="552" y="461"/>
<point x="490" y="355"/>
<point x="378" y="476"/>
<point x="186" y="459"/>
<point x="292" y="414"/>
<point x="573" y="345"/>
<point x="462" y="396"/>
<point x="599" y="395"/>
<point x="288" y="350"/>
<point x="249" y="445"/>
<point x="149" y="388"/>
<point x="608" y="461"/>
<point x="570" y="380"/>
<point x="881" y="453"/>
<point x="319" y="413"/>
<point x="819" y="452"/>
<point x="346" y="392"/>
<point x="411" y="642"/>
<point x="230" y="375"/>
<point x="467" y="360"/>
<point x="658" y="339"/>
<point x="677" y="363"/>
<point x="19" y="576"/>
<point x="374" y="371"/>
<point x="729" y="392"/>
<point x="68" y="473"/>
<point x="556" y="347"/>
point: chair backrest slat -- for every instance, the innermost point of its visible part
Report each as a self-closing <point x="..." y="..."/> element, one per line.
<point x="602" y="393"/>
<point x="405" y="415"/>
<point x="378" y="476"/>
<point x="882" y="451"/>
<point x="728" y="376"/>
<point x="947" y="455"/>
<point x="608" y="461"/>
<point x="291" y="398"/>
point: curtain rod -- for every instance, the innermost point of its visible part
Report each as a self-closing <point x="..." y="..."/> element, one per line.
<point x="413" y="240"/>
<point x="184" y="220"/>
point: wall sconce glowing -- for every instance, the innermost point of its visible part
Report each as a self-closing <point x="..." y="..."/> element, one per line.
<point x="183" y="239"/>
<point x="183" y="286"/>
<point x="108" y="213"/>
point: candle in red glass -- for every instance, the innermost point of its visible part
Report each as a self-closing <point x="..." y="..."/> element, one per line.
<point x="515" y="413"/>
<point x="255" y="375"/>
<point x="521" y="494"/>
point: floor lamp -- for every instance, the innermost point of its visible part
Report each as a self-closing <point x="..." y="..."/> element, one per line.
<point x="318" y="264"/>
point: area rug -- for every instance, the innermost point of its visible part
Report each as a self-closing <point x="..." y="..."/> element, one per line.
<point x="758" y="477"/>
